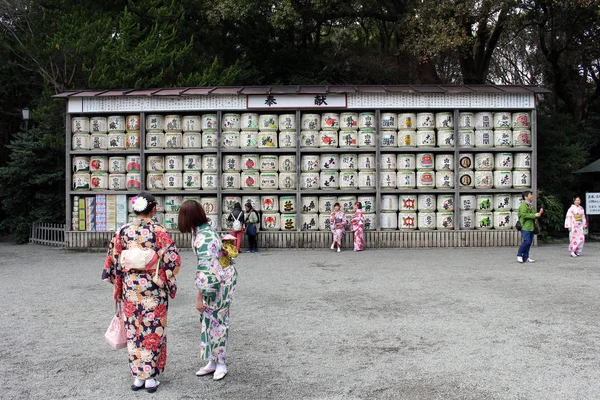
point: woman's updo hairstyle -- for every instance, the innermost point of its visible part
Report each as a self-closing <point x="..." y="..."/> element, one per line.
<point x="143" y="203"/>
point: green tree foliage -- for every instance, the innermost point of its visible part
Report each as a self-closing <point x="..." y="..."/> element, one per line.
<point x="554" y="215"/>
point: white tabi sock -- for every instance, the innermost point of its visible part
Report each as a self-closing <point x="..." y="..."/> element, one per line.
<point x="221" y="367"/>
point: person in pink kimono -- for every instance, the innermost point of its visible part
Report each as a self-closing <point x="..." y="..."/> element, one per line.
<point x="337" y="222"/>
<point x="576" y="223"/>
<point x="358" y="227"/>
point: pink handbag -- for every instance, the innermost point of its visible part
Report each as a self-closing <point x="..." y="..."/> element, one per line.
<point x="115" y="334"/>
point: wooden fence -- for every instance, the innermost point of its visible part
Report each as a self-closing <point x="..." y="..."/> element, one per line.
<point x="47" y="234"/>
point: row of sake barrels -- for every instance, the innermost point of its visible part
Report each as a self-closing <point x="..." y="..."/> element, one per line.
<point x="412" y="220"/>
<point x="494" y="161"/>
<point x="325" y="204"/>
<point x="104" y="181"/>
<point x="488" y="219"/>
<point x="106" y="141"/>
<point x="490" y="202"/>
<point x="368" y="137"/>
<point x="518" y="179"/>
<point x="321" y="221"/>
<point x="110" y="124"/>
<point x="209" y="140"/>
<point x="446" y="202"/>
<point x="494" y="138"/>
<point x="114" y="165"/>
<point x="445" y="120"/>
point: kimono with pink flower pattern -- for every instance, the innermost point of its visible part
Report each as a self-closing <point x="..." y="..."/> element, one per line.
<point x="577" y="222"/>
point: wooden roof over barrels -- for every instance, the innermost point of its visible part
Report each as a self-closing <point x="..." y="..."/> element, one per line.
<point x="307" y="89"/>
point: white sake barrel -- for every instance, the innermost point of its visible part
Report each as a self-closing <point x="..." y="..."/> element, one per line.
<point x="407" y="121"/>
<point x="287" y="163"/>
<point x="445" y="202"/>
<point x="389" y="202"/>
<point x="444" y="162"/>
<point x="132" y="123"/>
<point x="330" y="121"/>
<point x="191" y="123"/>
<point x="173" y="180"/>
<point x="502" y="120"/>
<point x="407" y="138"/>
<point x="117" y="141"/>
<point x="173" y="123"/>
<point x="366" y="120"/>
<point x="388" y="221"/>
<point x="348" y="162"/>
<point x="287" y="122"/>
<point x="80" y="125"/>
<point x="98" y="163"/>
<point x="269" y="180"/>
<point x="347" y="203"/>
<point x="484" y="120"/>
<point x="466" y="138"/>
<point x="193" y="162"/>
<point x="250" y="179"/>
<point x="444" y="121"/>
<point x="209" y="140"/>
<point x="209" y="204"/>
<point x="484" y="179"/>
<point x="425" y="179"/>
<point x="98" y="125"/>
<point x="425" y="161"/>
<point x="271" y="221"/>
<point x="444" y="179"/>
<point x="407" y="220"/>
<point x="366" y="138"/>
<point x="309" y="139"/>
<point x="349" y="120"/>
<point x="387" y="162"/>
<point x="287" y="204"/>
<point x="503" y="179"/>
<point x="309" y="204"/>
<point x="426" y="202"/>
<point x="134" y="181"/>
<point x="209" y="181"/>
<point x="466" y="120"/>
<point x="173" y="163"/>
<point x="268" y="163"/>
<point x="407" y="162"/>
<point x="408" y="202"/>
<point x="366" y="161"/>
<point x="521" y="138"/>
<point x="515" y="201"/>
<point x="99" y="181"/>
<point x="173" y="140"/>
<point x="171" y="221"/>
<point x="466" y="178"/>
<point x="310" y="163"/>
<point x="521" y="179"/>
<point x="326" y="204"/>
<point x="173" y="203"/>
<point x="388" y="180"/>
<point x="348" y="138"/>
<point x="116" y="124"/>
<point x="195" y="198"/>
<point x="368" y="203"/>
<point x="268" y="122"/>
<point x="503" y="161"/>
<point x="287" y="139"/>
<point x="311" y="122"/>
<point x="483" y="219"/>
<point x="485" y="202"/>
<point x="445" y="139"/>
<point x="348" y="180"/>
<point x="132" y="140"/>
<point x="81" y="141"/>
<point x="231" y="140"/>
<point x="389" y="139"/>
<point x="324" y="223"/>
<point x="82" y="164"/>
<point x="155" y="140"/>
<point x="133" y="163"/>
<point x="155" y="181"/>
<point x="484" y="138"/>
<point x="522" y="161"/>
<point x="267" y="140"/>
<point x="117" y="182"/>
<point x="425" y="138"/>
<point x="503" y="138"/>
<point x="248" y="139"/>
<point x="209" y="163"/>
<point x="249" y="121"/>
<point x="329" y="180"/>
<point x="388" y="121"/>
<point x="212" y="220"/>
<point x="226" y="225"/>
<point x="370" y="219"/>
<point x="309" y="222"/>
<point x="231" y="181"/>
<point x="99" y="141"/>
<point x="426" y="220"/>
<point x="155" y="123"/>
<point x="269" y="203"/>
<point x="192" y="140"/>
<point x="328" y="139"/>
<point x="467" y="219"/>
<point x="329" y="162"/>
<point x="230" y="122"/>
<point x="191" y="180"/>
<point x="502" y="220"/>
<point x="229" y="203"/>
<point x="209" y="122"/>
<point x="406" y="180"/>
<point x="502" y="202"/>
<point x="521" y="120"/>
<point x="444" y="220"/>
<point x="249" y="162"/>
<point x="287" y="181"/>
<point x="466" y="161"/>
<point x="81" y="181"/>
<point x="468" y="202"/>
<point x="309" y="180"/>
<point x="484" y="161"/>
<point x="366" y="180"/>
<point x="425" y="121"/>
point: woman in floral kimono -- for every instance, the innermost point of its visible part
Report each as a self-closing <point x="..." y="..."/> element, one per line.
<point x="576" y="223"/>
<point x="215" y="284"/>
<point x="145" y="298"/>
<point x="337" y="221"/>
<point x="358" y="226"/>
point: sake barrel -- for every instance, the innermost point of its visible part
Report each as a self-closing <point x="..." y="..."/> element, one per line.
<point x="425" y="138"/>
<point x="173" y="140"/>
<point x="406" y="180"/>
<point x="348" y="180"/>
<point x="502" y="202"/>
<point x="466" y="120"/>
<point x="483" y="219"/>
<point x="467" y="219"/>
<point x="444" y="121"/>
<point x="309" y="180"/>
<point x="349" y="120"/>
<point x="309" y="139"/>
<point x="366" y="161"/>
<point x="407" y="220"/>
<point x="80" y="125"/>
<point x="407" y="139"/>
<point x="310" y="163"/>
<point x="173" y="123"/>
<point x="269" y="180"/>
<point x="425" y="121"/>
<point x="132" y="140"/>
<point x="229" y="203"/>
<point x="173" y="203"/>
<point x="230" y="122"/>
<point x="209" y="122"/>
<point x="249" y="121"/>
<point x="155" y="123"/>
<point x="502" y="120"/>
<point x="503" y="161"/>
<point x="287" y="139"/>
<point x="445" y="139"/>
<point x="484" y="161"/>
<point x="484" y="179"/>
<point x="466" y="138"/>
<point x="387" y="180"/>
<point x="155" y="140"/>
<point x="389" y="139"/>
<point x="268" y="122"/>
<point x="407" y="121"/>
<point x="98" y="164"/>
<point x="269" y="203"/>
<point x="502" y="220"/>
<point x="134" y="181"/>
<point x="347" y="203"/>
<point x="503" y="138"/>
<point x="330" y="121"/>
<point x="132" y="123"/>
<point x="348" y="162"/>
<point x="366" y="120"/>
<point x="444" y="179"/>
<point x="195" y="198"/>
<point x="191" y="180"/>
<point x="328" y="139"/>
<point x="287" y="204"/>
<point x="389" y="202"/>
<point x="133" y="163"/>
<point x="287" y="163"/>
<point x="521" y="120"/>
<point x="366" y="180"/>
<point x="248" y="139"/>
<point x="267" y="140"/>
<point x="348" y="138"/>
<point x="425" y="161"/>
<point x="407" y="162"/>
<point x="160" y="204"/>
<point x="466" y="178"/>
<point x="82" y="164"/>
<point x="329" y="180"/>
<point x="465" y="161"/>
<point x="329" y="162"/>
<point x="81" y="141"/>
<point x="468" y="202"/>
<point x="171" y="221"/>
<point x="287" y="122"/>
<point x="231" y="181"/>
<point x="326" y="204"/>
<point x="311" y="122"/>
<point x="485" y="202"/>
<point x="425" y="179"/>
<point x="522" y="161"/>
<point x="367" y="202"/>
<point x="309" y="204"/>
<point x="444" y="162"/>
<point x="324" y="223"/>
<point x="155" y="181"/>
<point x="98" y="125"/>
<point x="516" y="200"/>
<point x="426" y="202"/>
<point x="408" y="202"/>
<point x="173" y="162"/>
<point x="209" y="163"/>
<point x="268" y="163"/>
<point x="81" y="181"/>
<point x="271" y="221"/>
<point x="426" y="220"/>
<point x="209" y="180"/>
<point x="209" y="140"/>
<point x="193" y="162"/>
<point x="252" y="199"/>
<point x="388" y="221"/>
<point x="250" y="162"/>
<point x="521" y="138"/>
<point x="209" y="204"/>
<point x="387" y="162"/>
<point x="366" y="138"/>
<point x="232" y="163"/>
<point x="287" y="181"/>
<point x="444" y="220"/>
<point x="503" y="179"/>
<point x="521" y="179"/>
<point x="388" y="121"/>
<point x="226" y="225"/>
<point x="445" y="202"/>
<point x="310" y="222"/>
<point x="370" y="219"/>
<point x="99" y="141"/>
<point x="117" y="181"/>
<point x="116" y="124"/>
<point x="484" y="138"/>
<point x="173" y="180"/>
<point x="484" y="120"/>
<point x="192" y="140"/>
<point x="99" y="181"/>
<point x="231" y="140"/>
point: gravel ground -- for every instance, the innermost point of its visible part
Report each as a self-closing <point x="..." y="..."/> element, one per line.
<point x="312" y="324"/>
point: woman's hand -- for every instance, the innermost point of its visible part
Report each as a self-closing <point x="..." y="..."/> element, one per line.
<point x="200" y="306"/>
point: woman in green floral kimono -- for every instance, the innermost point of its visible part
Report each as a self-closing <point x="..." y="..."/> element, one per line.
<point x="216" y="286"/>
